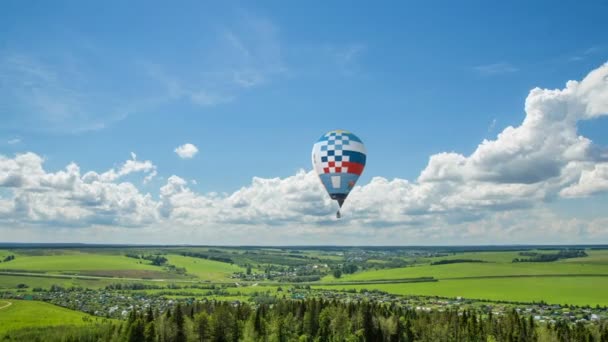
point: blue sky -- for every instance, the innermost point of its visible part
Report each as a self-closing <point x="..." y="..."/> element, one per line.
<point x="253" y="86"/>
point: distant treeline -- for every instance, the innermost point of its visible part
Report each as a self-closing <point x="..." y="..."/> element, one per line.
<point x="454" y="261"/>
<point x="549" y="257"/>
<point x="8" y="258"/>
<point x="300" y="279"/>
<point x="157" y="260"/>
<point x="314" y="320"/>
<point x="207" y="256"/>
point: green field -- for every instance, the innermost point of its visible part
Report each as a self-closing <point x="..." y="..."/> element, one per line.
<point x="21" y="314"/>
<point x="205" y="269"/>
<point x="76" y="262"/>
<point x="501" y="257"/>
<point x="574" y="281"/>
<point x="4" y="253"/>
<point x="594" y="258"/>
<point x="11" y="282"/>
<point x="464" y="270"/>
<point x="498" y="264"/>
<point x="91" y="264"/>
<point x="554" y="290"/>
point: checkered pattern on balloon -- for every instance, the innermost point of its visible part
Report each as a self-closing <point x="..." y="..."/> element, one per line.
<point x="339" y="158"/>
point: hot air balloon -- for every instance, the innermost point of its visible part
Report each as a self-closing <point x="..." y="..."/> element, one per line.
<point x="339" y="158"/>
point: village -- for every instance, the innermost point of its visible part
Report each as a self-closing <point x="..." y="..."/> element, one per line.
<point x="112" y="303"/>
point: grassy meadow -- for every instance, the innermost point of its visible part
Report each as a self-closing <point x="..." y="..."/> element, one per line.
<point x="22" y="314"/>
<point x="574" y="281"/>
<point x="205" y="269"/>
<point x="554" y="290"/>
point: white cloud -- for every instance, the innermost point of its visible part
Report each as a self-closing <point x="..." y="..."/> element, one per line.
<point x="186" y="151"/>
<point x="495" y="194"/>
<point x="545" y="145"/>
<point x="14" y="141"/>
<point x="68" y="198"/>
<point x="129" y="166"/>
<point x="592" y="181"/>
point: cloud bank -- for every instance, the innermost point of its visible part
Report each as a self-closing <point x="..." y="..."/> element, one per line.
<point x="490" y="196"/>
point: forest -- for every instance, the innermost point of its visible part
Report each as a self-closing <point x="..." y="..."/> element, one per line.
<point x="313" y="320"/>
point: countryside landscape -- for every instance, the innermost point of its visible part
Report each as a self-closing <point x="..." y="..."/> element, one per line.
<point x="303" y="171"/>
<point x="93" y="287"/>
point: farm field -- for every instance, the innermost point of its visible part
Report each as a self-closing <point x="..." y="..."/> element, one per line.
<point x="95" y="263"/>
<point x="76" y="262"/>
<point x="22" y="314"/>
<point x="574" y="281"/>
<point x="553" y="290"/>
<point x="468" y="270"/>
<point x="205" y="269"/>
<point x="11" y="282"/>
<point x="595" y="264"/>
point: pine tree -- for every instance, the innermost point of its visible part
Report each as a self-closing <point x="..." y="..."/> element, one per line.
<point x="180" y="335"/>
<point x="135" y="332"/>
<point x="202" y="326"/>
<point x="150" y="332"/>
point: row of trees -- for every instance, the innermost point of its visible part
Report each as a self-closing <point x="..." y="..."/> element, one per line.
<point x="319" y="320"/>
<point x="8" y="258"/>
<point x="156" y="259"/>
<point x="547" y="257"/>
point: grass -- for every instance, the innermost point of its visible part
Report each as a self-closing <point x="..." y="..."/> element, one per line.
<point x="554" y="290"/>
<point x="594" y="258"/>
<point x="11" y="282"/>
<point x="4" y="253"/>
<point x="76" y="262"/>
<point x="23" y="314"/>
<point x="205" y="269"/>
<point x="497" y="257"/>
<point x="45" y="282"/>
<point x="476" y="270"/>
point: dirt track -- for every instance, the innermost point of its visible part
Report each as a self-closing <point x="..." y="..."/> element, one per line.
<point x="6" y="306"/>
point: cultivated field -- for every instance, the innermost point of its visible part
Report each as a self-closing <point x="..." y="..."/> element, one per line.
<point x="205" y="269"/>
<point x="577" y="281"/>
<point x="21" y="314"/>
<point x="554" y="290"/>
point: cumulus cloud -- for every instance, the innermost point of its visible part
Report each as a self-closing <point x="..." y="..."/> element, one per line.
<point x="455" y="197"/>
<point x="67" y="197"/>
<point x="592" y="181"/>
<point x="541" y="148"/>
<point x="186" y="151"/>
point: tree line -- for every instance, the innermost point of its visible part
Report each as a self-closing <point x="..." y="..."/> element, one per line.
<point x="547" y="257"/>
<point x="316" y="320"/>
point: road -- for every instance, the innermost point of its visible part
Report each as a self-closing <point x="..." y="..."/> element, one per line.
<point x="6" y="305"/>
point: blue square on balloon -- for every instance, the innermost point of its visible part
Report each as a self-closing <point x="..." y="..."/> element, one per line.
<point x="324" y="148"/>
<point x="331" y="153"/>
<point x="324" y="159"/>
<point x="338" y="148"/>
<point x="338" y="158"/>
<point x="331" y="142"/>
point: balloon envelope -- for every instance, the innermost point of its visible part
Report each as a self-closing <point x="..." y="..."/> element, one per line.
<point x="339" y="158"/>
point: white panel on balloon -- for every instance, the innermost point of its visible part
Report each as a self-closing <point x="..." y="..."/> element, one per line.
<point x="335" y="182"/>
